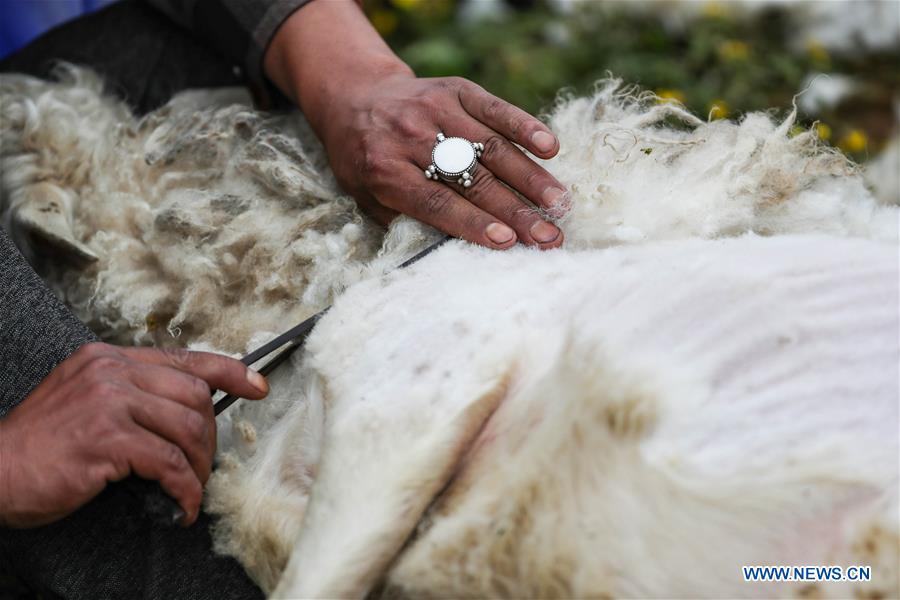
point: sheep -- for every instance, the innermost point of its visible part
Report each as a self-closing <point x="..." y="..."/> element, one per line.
<point x="635" y="422"/>
<point x="667" y="399"/>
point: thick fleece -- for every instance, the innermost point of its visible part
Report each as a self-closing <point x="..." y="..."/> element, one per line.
<point x="692" y="384"/>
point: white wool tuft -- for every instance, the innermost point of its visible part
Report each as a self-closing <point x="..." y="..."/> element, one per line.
<point x="209" y="220"/>
<point x="635" y="177"/>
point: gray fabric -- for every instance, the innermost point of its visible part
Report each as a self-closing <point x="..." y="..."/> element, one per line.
<point x="107" y="550"/>
<point x="240" y="29"/>
<point x="36" y="331"/>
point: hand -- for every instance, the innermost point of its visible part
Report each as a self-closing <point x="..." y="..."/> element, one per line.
<point x="378" y="123"/>
<point x="379" y="143"/>
<point x="106" y="412"/>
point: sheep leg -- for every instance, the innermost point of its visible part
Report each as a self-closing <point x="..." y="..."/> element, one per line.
<point x="371" y="493"/>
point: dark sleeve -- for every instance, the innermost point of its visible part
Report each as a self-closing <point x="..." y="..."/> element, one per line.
<point x="239" y="29"/>
<point x="37" y="331"/>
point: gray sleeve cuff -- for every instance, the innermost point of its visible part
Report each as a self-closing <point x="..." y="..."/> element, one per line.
<point x="262" y="34"/>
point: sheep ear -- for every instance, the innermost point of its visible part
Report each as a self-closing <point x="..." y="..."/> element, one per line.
<point x="40" y="222"/>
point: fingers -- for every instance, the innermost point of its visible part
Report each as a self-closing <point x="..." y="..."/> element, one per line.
<point x="154" y="458"/>
<point x="167" y="382"/>
<point x="501" y="161"/>
<point x="193" y="432"/>
<point x="488" y="193"/>
<point x="405" y="189"/>
<point x="219" y="372"/>
<point x="509" y="164"/>
<point x="509" y="121"/>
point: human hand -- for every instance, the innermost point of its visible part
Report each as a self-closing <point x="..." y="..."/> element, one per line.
<point x="106" y="412"/>
<point x="379" y="142"/>
<point x="378" y="123"/>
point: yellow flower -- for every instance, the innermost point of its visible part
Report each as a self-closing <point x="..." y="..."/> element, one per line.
<point x="718" y="110"/>
<point x="817" y="51"/>
<point x="823" y="131"/>
<point x="384" y="21"/>
<point x="855" y="141"/>
<point x="409" y="4"/>
<point x="734" y="50"/>
<point x="429" y="8"/>
<point x="713" y="10"/>
<point x="670" y="95"/>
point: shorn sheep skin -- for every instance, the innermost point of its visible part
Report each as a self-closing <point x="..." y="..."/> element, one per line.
<point x="704" y="377"/>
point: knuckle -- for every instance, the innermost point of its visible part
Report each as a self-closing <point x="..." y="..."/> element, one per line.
<point x="195" y="425"/>
<point x="201" y="389"/>
<point x="173" y="458"/>
<point x="410" y="128"/>
<point x="91" y="351"/>
<point x="496" y="149"/>
<point x="380" y="115"/>
<point x="193" y="496"/>
<point x="390" y="201"/>
<point x="81" y="482"/>
<point x="227" y="368"/>
<point x="483" y="184"/>
<point x="374" y="163"/>
<point x="523" y="215"/>
<point x="104" y="365"/>
<point x="437" y="201"/>
<point x="103" y="427"/>
<point x="454" y="82"/>
<point x="534" y="178"/>
<point x="453" y="87"/>
<point x="104" y="389"/>
<point x="494" y="108"/>
<point x="468" y="92"/>
<point x="472" y="221"/>
<point x="117" y="464"/>
<point x="516" y="123"/>
<point x="119" y="447"/>
<point x="178" y="357"/>
<point x="433" y="98"/>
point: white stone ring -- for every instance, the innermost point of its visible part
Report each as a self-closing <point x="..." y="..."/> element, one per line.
<point x="454" y="159"/>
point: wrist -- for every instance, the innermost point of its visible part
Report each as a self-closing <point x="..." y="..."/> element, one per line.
<point x="325" y="55"/>
<point x="340" y="98"/>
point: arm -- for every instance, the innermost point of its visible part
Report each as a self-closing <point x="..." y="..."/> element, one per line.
<point x="378" y="123"/>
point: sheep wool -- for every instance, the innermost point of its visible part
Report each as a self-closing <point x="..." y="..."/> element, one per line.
<point x="695" y="383"/>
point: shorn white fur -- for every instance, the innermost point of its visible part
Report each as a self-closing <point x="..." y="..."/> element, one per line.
<point x="705" y="378"/>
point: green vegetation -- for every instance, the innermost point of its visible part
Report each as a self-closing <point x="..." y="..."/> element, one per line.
<point x="721" y="63"/>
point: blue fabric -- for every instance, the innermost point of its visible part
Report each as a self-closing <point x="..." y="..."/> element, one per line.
<point x="23" y="20"/>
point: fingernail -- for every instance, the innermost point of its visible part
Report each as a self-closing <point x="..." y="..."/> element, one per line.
<point x="544" y="232"/>
<point x="543" y="141"/>
<point x="552" y="196"/>
<point x="499" y="233"/>
<point x="257" y="381"/>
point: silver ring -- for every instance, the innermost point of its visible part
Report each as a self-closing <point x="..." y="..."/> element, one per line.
<point x="454" y="159"/>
